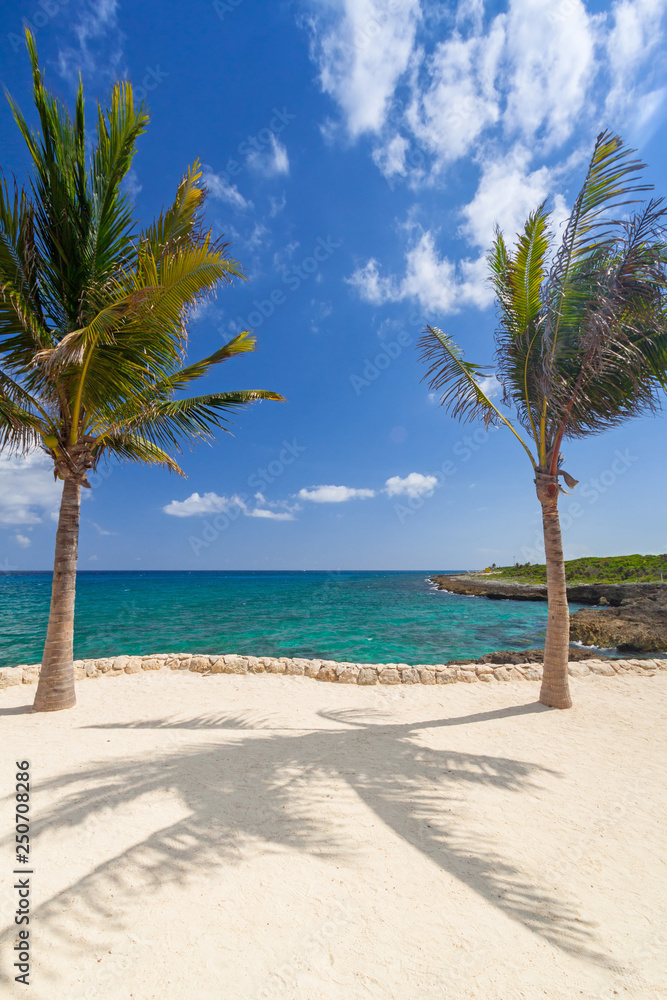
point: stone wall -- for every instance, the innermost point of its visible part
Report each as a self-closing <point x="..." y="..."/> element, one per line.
<point x="330" y="670"/>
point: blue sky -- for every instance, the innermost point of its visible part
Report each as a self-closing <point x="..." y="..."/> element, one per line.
<point x="358" y="154"/>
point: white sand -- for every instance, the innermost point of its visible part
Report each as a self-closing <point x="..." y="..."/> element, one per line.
<point x="247" y="838"/>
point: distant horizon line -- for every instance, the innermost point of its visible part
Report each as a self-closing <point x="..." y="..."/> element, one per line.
<point x="49" y="572"/>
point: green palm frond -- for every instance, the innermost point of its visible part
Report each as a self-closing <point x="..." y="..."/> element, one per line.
<point x="133" y="448"/>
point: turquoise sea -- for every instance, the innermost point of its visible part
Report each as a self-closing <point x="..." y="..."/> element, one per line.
<point x="364" y="617"/>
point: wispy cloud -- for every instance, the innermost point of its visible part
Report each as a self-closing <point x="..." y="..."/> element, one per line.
<point x="22" y="540"/>
<point x="271" y="161"/>
<point x="220" y="189"/>
<point x="334" y="494"/>
<point x="99" y="43"/>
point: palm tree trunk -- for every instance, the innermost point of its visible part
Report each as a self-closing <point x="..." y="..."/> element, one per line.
<point x="555" y="690"/>
<point x="56" y="679"/>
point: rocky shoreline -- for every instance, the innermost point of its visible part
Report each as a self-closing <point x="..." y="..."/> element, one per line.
<point x="630" y="617"/>
<point x="486" y="669"/>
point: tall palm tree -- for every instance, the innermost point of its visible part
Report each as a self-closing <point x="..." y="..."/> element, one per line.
<point x="93" y="324"/>
<point x="581" y="346"/>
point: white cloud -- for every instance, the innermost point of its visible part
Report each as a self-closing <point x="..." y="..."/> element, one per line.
<point x="334" y="494"/>
<point x="100" y="530"/>
<point x="271" y="161"/>
<point x="490" y="386"/>
<point x="362" y="48"/>
<point x="412" y="485"/>
<point x="196" y="505"/>
<point x="277" y="205"/>
<point x="436" y="283"/>
<point x="22" y="540"/>
<point x="220" y="188"/>
<point x="390" y="158"/>
<point x="28" y="491"/>
<point x="131" y="185"/>
<point x="210" y="503"/>
<point x="272" y="515"/>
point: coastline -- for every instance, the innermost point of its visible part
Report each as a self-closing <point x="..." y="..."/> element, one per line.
<point x="488" y="669"/>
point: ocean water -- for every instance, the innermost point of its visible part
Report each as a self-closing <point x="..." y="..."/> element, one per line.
<point x="358" y="616"/>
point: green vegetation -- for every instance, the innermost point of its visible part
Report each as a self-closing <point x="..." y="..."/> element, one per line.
<point x="611" y="569"/>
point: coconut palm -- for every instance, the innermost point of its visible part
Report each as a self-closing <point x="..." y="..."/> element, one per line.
<point x="581" y="346"/>
<point x="93" y="324"/>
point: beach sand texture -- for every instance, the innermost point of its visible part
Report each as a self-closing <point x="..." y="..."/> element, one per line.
<point x="269" y="837"/>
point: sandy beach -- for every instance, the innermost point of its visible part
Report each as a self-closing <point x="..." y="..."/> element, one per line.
<point x="261" y="837"/>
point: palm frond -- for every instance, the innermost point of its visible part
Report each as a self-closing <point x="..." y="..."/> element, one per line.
<point x="129" y="447"/>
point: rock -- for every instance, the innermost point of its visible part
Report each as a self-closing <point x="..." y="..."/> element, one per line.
<point x="578" y="670"/>
<point x="467" y="676"/>
<point x="198" y="664"/>
<point x="30" y="673"/>
<point x="296" y="667"/>
<point x="533" y="672"/>
<point x="90" y="669"/>
<point x="312" y="668"/>
<point x="230" y="664"/>
<point x="601" y="667"/>
<point x="275" y="666"/>
<point x="10" y="676"/>
<point x="389" y="675"/>
<point x="516" y="674"/>
<point x="120" y="662"/>
<point x="256" y="665"/>
<point x="502" y="674"/>
<point x="367" y="675"/>
<point x="482" y="669"/>
<point x="133" y="665"/>
<point x="636" y="624"/>
<point x="447" y="675"/>
<point x="350" y="675"/>
<point x="326" y="673"/>
<point x="427" y="675"/>
<point x="79" y="670"/>
<point x="104" y="665"/>
<point x="409" y="676"/>
<point x="486" y="677"/>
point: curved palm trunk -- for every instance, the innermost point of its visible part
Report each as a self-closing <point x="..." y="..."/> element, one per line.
<point x="555" y="690"/>
<point x="56" y="679"/>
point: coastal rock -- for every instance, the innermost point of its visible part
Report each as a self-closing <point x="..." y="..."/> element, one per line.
<point x="447" y="675"/>
<point x="312" y="668"/>
<point x="389" y="675"/>
<point x="634" y="626"/>
<point x="578" y="670"/>
<point x="533" y="672"/>
<point x="409" y="675"/>
<point x="367" y="675"/>
<point x="427" y="675"/>
<point x="133" y="665"/>
<point x="10" y="676"/>
<point x="350" y="675"/>
<point x="104" y="665"/>
<point x="198" y="664"/>
<point x="296" y="667"/>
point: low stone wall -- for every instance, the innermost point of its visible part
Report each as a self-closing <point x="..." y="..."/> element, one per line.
<point x="329" y="670"/>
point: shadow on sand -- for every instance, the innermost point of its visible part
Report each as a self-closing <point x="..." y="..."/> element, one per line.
<point x="267" y="788"/>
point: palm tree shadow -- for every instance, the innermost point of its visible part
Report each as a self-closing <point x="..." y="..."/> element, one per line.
<point x="266" y="792"/>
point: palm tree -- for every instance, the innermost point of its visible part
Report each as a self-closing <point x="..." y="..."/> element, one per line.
<point x="93" y="324"/>
<point x="581" y="346"/>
